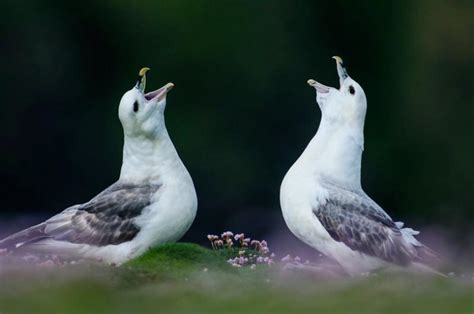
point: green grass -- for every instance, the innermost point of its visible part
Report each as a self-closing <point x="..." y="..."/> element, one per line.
<point x="187" y="278"/>
<point x="176" y="261"/>
<point x="179" y="259"/>
<point x="185" y="261"/>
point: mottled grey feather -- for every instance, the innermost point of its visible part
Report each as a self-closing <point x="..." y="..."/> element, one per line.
<point x="109" y="218"/>
<point x="358" y="222"/>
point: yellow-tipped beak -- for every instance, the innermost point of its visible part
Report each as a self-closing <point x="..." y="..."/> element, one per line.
<point x="143" y="71"/>
<point x="141" y="83"/>
<point x="160" y="93"/>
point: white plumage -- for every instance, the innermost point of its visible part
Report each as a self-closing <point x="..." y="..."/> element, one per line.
<point x="321" y="196"/>
<point x="154" y="200"/>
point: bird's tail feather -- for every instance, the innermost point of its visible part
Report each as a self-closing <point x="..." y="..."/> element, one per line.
<point x="424" y="255"/>
<point x="19" y="239"/>
<point x="428" y="256"/>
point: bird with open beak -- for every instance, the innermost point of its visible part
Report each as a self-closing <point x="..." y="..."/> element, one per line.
<point x="322" y="199"/>
<point x="153" y="201"/>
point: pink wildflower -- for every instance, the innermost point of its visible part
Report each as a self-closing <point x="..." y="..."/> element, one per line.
<point x="212" y="237"/>
<point x="227" y="234"/>
<point x="239" y="236"/>
<point x="255" y="242"/>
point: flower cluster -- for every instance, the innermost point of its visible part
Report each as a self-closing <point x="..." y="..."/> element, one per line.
<point x="249" y="252"/>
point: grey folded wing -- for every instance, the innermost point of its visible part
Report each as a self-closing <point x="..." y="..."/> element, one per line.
<point x="109" y="218"/>
<point x="358" y="222"/>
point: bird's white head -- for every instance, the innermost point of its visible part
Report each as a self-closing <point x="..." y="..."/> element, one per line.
<point x="344" y="106"/>
<point x="142" y="114"/>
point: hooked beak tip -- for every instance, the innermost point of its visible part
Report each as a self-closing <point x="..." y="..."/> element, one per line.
<point x="143" y="71"/>
<point x="311" y="82"/>
<point x="338" y="59"/>
<point x="169" y="86"/>
<point x="160" y="93"/>
<point x="141" y="82"/>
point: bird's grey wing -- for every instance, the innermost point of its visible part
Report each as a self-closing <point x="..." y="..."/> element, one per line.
<point x="362" y="225"/>
<point x="109" y="218"/>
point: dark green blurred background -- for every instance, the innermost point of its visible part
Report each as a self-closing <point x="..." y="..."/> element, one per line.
<point x="241" y="112"/>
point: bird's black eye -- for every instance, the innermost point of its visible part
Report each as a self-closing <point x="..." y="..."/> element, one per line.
<point x="135" y="106"/>
<point x="352" y="90"/>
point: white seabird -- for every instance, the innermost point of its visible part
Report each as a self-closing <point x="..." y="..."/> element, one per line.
<point x="153" y="201"/>
<point x="321" y="196"/>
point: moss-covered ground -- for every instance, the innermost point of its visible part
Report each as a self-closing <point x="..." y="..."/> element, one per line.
<point x="187" y="278"/>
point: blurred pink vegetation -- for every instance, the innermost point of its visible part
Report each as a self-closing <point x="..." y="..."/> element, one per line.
<point x="250" y="253"/>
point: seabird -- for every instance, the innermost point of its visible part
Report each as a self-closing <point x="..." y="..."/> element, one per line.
<point x="322" y="199"/>
<point x="153" y="201"/>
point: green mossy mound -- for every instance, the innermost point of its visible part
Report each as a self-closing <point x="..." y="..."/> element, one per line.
<point x="187" y="261"/>
<point x="177" y="260"/>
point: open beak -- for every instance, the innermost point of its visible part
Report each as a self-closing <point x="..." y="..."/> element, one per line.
<point x="341" y="71"/>
<point x="156" y="95"/>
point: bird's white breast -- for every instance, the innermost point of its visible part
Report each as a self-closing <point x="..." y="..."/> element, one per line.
<point x="299" y="194"/>
<point x="171" y="214"/>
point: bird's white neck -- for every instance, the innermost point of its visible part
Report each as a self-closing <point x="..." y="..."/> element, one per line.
<point x="149" y="158"/>
<point x="335" y="153"/>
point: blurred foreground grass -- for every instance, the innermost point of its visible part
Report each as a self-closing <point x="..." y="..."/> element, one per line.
<point x="187" y="278"/>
